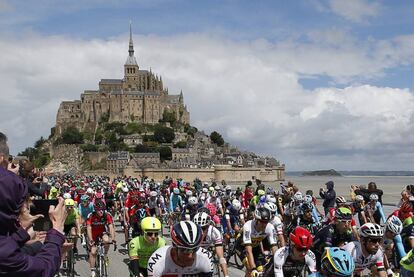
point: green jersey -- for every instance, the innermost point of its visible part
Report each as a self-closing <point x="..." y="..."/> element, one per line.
<point x="141" y="248"/>
<point x="407" y="262"/>
<point x="72" y="216"/>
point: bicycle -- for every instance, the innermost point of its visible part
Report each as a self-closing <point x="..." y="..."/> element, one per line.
<point x="231" y="250"/>
<point x="70" y="259"/>
<point x="100" y="264"/>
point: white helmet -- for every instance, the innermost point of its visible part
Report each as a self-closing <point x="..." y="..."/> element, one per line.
<point x="227" y="187"/>
<point x="394" y="225"/>
<point x="236" y="204"/>
<point x="189" y="193"/>
<point x="271" y="199"/>
<point x="307" y="199"/>
<point x="271" y="207"/>
<point x="176" y="191"/>
<point x="192" y="200"/>
<point x="359" y="198"/>
<point x="125" y="189"/>
<point x="298" y="197"/>
<point x="205" y="189"/>
<point x="202" y="219"/>
<point x="340" y="200"/>
<point x="67" y="195"/>
<point x="153" y="193"/>
<point x="89" y="190"/>
<point x="214" y="194"/>
<point x="371" y="230"/>
<point x="373" y="197"/>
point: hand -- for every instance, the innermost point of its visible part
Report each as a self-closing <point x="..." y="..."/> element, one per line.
<point x="26" y="219"/>
<point x="13" y="168"/>
<point x="40" y="236"/>
<point x="58" y="215"/>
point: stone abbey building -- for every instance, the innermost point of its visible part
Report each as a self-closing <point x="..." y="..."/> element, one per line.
<point x="139" y="97"/>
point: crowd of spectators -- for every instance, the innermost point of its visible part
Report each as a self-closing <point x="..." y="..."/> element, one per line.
<point x="24" y="252"/>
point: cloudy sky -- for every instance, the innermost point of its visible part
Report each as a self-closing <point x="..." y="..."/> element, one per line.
<point x="315" y="83"/>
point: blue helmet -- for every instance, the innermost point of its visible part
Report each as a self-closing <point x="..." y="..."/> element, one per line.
<point x="338" y="262"/>
<point x="85" y="197"/>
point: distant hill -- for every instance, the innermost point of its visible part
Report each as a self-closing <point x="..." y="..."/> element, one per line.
<point x="330" y="172"/>
<point x="357" y="173"/>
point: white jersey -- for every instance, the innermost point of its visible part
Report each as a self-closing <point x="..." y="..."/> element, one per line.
<point x="216" y="202"/>
<point x="254" y="237"/>
<point x="278" y="224"/>
<point x="361" y="262"/>
<point x="160" y="264"/>
<point x="212" y="238"/>
<point x="284" y="263"/>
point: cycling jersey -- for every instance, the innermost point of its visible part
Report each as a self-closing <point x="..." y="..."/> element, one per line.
<point x="160" y="264"/>
<point x="212" y="237"/>
<point x="253" y="237"/>
<point x="175" y="202"/>
<point x="408" y="262"/>
<point x="369" y="209"/>
<point x="141" y="248"/>
<point x="278" y="224"/>
<point x="407" y="234"/>
<point x="72" y="216"/>
<point x="362" y="262"/>
<point x="285" y="266"/>
<point x="85" y="211"/>
<point x="99" y="224"/>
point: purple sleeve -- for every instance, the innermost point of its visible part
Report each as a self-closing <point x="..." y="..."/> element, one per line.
<point x="44" y="264"/>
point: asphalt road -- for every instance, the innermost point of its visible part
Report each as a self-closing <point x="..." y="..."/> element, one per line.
<point x="118" y="259"/>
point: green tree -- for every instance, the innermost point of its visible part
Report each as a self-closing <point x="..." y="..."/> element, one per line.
<point x="30" y="152"/>
<point x="181" y="144"/>
<point x="39" y="142"/>
<point x="168" y="117"/>
<point x="89" y="148"/>
<point x="72" y="136"/>
<point x="164" y="134"/>
<point x="165" y="153"/>
<point x="190" y="130"/>
<point x="142" y="148"/>
<point x="217" y="138"/>
<point x="133" y="128"/>
<point x="52" y="132"/>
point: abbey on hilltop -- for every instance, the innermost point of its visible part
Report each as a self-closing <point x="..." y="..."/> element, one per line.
<point x="139" y="97"/>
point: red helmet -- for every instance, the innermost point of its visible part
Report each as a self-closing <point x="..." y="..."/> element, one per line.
<point x="301" y="238"/>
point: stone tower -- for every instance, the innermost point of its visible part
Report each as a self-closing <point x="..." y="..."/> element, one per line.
<point x="131" y="67"/>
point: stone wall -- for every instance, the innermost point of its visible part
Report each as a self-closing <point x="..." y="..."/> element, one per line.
<point x="227" y="173"/>
<point x="66" y="158"/>
<point x="95" y="157"/>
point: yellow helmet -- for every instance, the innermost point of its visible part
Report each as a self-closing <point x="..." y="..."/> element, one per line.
<point x="53" y="190"/>
<point x="151" y="224"/>
<point x="69" y="202"/>
<point x="261" y="192"/>
<point x="120" y="185"/>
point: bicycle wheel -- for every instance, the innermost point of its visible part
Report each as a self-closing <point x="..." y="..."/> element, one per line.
<point x="238" y="261"/>
<point x="70" y="270"/>
<point x="216" y="269"/>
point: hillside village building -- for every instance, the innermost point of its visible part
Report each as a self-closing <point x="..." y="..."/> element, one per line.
<point x="139" y="97"/>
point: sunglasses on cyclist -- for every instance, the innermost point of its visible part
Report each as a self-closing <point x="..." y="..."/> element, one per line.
<point x="187" y="251"/>
<point x="263" y="221"/>
<point x="302" y="250"/>
<point x="150" y="234"/>
<point x="378" y="240"/>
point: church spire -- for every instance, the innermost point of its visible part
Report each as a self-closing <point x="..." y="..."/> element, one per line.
<point x="131" y="61"/>
<point x="131" y="43"/>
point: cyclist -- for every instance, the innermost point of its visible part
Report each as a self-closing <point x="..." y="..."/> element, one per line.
<point x="374" y="208"/>
<point x="176" y="201"/>
<point x="99" y="225"/>
<point x="276" y="222"/>
<point x="211" y="238"/>
<point x="154" y="203"/>
<point x="335" y="263"/>
<point x="85" y="208"/>
<point x="72" y="225"/>
<point x="184" y="257"/>
<point x="253" y="233"/>
<point x="392" y="240"/>
<point x="142" y="247"/>
<point x="304" y="219"/>
<point x="190" y="210"/>
<point x="358" y="207"/>
<point x="289" y="261"/>
<point x="367" y="252"/>
<point x="333" y="235"/>
<point x="233" y="218"/>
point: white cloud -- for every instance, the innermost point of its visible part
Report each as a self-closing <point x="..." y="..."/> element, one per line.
<point x="248" y="91"/>
<point x="355" y="10"/>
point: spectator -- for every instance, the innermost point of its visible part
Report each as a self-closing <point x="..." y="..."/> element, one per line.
<point x="15" y="220"/>
<point x="328" y="197"/>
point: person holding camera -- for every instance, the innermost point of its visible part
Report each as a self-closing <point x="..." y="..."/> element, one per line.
<point x="16" y="220"/>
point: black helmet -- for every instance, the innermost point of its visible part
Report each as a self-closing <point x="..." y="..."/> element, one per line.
<point x="262" y="214"/>
<point x="186" y="234"/>
<point x="306" y="207"/>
